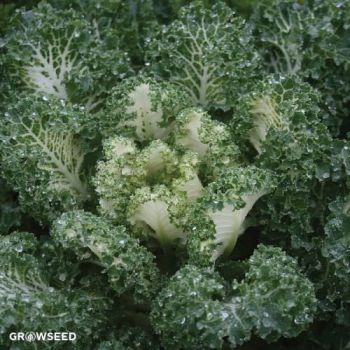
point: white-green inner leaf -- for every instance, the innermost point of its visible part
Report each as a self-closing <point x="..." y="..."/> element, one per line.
<point x="192" y="187"/>
<point x="147" y="119"/>
<point x="229" y="224"/>
<point x="62" y="156"/>
<point x="49" y="67"/>
<point x="199" y="78"/>
<point x="154" y="214"/>
<point x="265" y="117"/>
<point x="192" y="139"/>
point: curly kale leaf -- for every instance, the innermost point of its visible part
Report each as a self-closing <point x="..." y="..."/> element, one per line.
<point x="40" y="141"/>
<point x="206" y="52"/>
<point x="129" y="266"/>
<point x="309" y="39"/>
<point x="27" y="300"/>
<point x="59" y="53"/>
<point x="197" y="310"/>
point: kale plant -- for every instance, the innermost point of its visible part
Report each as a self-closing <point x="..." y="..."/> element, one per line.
<point x="175" y="174"/>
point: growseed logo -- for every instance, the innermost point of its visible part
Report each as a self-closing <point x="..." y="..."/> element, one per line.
<point x="31" y="337"/>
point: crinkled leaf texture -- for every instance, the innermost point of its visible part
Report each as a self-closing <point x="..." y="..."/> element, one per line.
<point x="206" y="52"/>
<point x="40" y="141"/>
